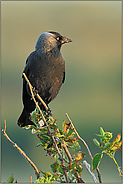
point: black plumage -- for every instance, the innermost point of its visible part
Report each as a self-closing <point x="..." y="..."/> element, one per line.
<point x="45" y="69"/>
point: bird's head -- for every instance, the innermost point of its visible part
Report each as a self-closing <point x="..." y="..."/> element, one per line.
<point x="49" y="40"/>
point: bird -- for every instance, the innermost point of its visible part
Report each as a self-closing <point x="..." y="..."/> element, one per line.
<point x="45" y="69"/>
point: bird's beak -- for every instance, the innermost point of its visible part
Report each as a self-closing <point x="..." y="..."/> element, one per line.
<point x="65" y="40"/>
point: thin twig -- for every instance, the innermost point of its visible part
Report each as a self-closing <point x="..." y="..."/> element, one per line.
<point x="36" y="103"/>
<point x="67" y="153"/>
<point x="21" y="151"/>
<point x="92" y="174"/>
<point x="99" y="175"/>
<point x="98" y="172"/>
<point x="79" y="179"/>
<point x="30" y="179"/>
<point x="53" y="138"/>
<point x="120" y="172"/>
<point x="79" y="136"/>
<point x="31" y="89"/>
<point x="51" y="135"/>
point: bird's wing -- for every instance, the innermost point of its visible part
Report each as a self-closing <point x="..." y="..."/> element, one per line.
<point x="63" y="77"/>
<point x="28" y="103"/>
<point x="28" y="63"/>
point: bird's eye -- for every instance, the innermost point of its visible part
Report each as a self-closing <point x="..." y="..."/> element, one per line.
<point x="57" y="38"/>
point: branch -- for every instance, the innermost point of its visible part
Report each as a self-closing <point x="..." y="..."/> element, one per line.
<point x="31" y="89"/>
<point x="79" y="136"/>
<point x="36" y="103"/>
<point x="79" y="179"/>
<point x="92" y="174"/>
<point x="98" y="172"/>
<point x="50" y="134"/>
<point x="21" y="151"/>
<point x="30" y="179"/>
<point x="67" y="153"/>
<point x="120" y="172"/>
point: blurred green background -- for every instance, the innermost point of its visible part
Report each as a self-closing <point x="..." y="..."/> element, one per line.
<point x="91" y="94"/>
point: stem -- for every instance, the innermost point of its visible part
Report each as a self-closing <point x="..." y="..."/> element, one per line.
<point x="79" y="180"/>
<point x="80" y="137"/>
<point x="88" y="168"/>
<point x="50" y="134"/>
<point x="98" y="171"/>
<point x="31" y="87"/>
<point x="21" y="151"/>
<point x="111" y="156"/>
<point x="30" y="179"/>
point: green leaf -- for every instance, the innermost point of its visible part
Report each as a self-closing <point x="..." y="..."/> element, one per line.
<point x="51" y="121"/>
<point x="56" y="158"/>
<point x="45" y="137"/>
<point x="29" y="127"/>
<point x="96" y="160"/>
<point x="48" y="180"/>
<point x="74" y="146"/>
<point x="59" y="135"/>
<point x="46" y="173"/>
<point x="55" y="167"/>
<point x="39" y="144"/>
<point x="44" y="131"/>
<point x="102" y="131"/>
<point x="40" y="180"/>
<point x="26" y="127"/>
<point x="108" y="145"/>
<point x="61" y="132"/>
<point x="73" y="171"/>
<point x="47" y="176"/>
<point x="11" y="179"/>
<point x="101" y="136"/>
<point x="108" y="135"/>
<point x="42" y="142"/>
<point x="73" y="164"/>
<point x="79" y="167"/>
<point x="61" y="169"/>
<point x="96" y="142"/>
<point x="70" y="132"/>
<point x="55" y="177"/>
<point x="53" y="126"/>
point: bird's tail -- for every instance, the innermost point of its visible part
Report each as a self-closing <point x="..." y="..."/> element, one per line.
<point x="24" y="119"/>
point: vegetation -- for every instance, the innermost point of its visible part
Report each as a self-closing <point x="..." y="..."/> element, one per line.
<point x="59" y="144"/>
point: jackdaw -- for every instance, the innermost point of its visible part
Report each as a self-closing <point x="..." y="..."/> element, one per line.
<point x="45" y="69"/>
